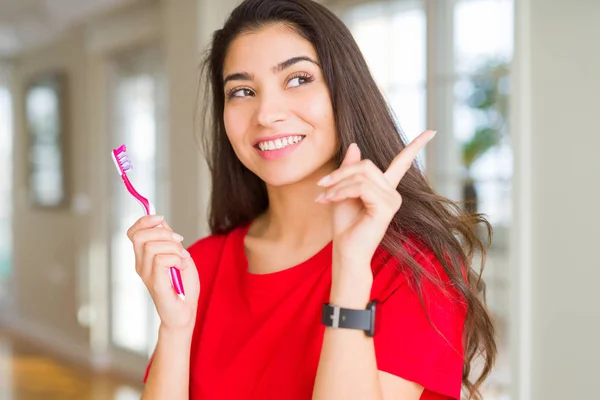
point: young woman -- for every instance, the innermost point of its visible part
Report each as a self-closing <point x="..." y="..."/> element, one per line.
<point x="333" y="270"/>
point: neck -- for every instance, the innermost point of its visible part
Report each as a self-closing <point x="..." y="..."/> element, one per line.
<point x="293" y="216"/>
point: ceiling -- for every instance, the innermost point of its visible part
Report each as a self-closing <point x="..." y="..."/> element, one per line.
<point x="28" y="23"/>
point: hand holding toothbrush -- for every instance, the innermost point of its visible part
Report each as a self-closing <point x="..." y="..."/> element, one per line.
<point x="150" y="260"/>
<point x="157" y="249"/>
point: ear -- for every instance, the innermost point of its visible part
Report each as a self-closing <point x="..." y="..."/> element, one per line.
<point x="352" y="155"/>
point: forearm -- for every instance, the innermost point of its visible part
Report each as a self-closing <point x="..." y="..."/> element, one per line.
<point x="347" y="365"/>
<point x="170" y="370"/>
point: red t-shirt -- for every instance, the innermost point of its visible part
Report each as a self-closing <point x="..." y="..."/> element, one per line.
<point x="260" y="336"/>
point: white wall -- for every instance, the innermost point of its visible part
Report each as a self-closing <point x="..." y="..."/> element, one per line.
<point x="557" y="223"/>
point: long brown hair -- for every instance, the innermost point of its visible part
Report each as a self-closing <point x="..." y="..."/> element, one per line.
<point x="361" y="116"/>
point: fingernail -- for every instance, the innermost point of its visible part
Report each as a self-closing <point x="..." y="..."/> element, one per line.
<point x="177" y="237"/>
<point x="156" y="218"/>
<point x="324" y="180"/>
<point x="434" y="133"/>
<point x="320" y="197"/>
<point x="185" y="253"/>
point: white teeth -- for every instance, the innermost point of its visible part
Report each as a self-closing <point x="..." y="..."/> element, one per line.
<point x="279" y="143"/>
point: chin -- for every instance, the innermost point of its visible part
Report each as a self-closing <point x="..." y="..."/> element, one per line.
<point x="279" y="177"/>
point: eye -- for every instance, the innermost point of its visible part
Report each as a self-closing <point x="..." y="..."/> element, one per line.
<point x="300" y="79"/>
<point x="239" y="92"/>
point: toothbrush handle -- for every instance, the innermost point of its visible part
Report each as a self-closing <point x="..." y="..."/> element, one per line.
<point x="176" y="280"/>
<point x="177" y="283"/>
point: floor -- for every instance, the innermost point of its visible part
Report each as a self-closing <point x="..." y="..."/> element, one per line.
<point x="28" y="374"/>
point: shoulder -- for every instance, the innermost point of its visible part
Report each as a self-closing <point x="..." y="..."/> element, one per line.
<point x="415" y="268"/>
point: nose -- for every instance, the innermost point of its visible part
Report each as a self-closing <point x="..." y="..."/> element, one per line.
<point x="272" y="108"/>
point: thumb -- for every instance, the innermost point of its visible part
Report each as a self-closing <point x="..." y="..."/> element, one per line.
<point x="352" y="155"/>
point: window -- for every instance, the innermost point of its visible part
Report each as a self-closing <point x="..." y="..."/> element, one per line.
<point x="483" y="47"/>
<point x="483" y="35"/>
<point x="136" y="93"/>
<point x="6" y="146"/>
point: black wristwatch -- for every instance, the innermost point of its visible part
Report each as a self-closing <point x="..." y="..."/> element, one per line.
<point x="337" y="317"/>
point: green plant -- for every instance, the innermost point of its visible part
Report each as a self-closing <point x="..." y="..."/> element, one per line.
<point x="489" y="99"/>
<point x="484" y="139"/>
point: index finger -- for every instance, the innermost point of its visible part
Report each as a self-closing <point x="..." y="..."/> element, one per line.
<point x="147" y="221"/>
<point x="402" y="162"/>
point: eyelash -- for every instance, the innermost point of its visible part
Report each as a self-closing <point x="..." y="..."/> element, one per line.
<point x="308" y="78"/>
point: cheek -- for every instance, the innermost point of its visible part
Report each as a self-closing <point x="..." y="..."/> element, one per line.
<point x="320" y="114"/>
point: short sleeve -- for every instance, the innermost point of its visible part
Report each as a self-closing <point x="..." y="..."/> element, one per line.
<point x="148" y="369"/>
<point x="423" y="347"/>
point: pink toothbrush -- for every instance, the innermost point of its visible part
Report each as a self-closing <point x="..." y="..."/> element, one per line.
<point x="124" y="164"/>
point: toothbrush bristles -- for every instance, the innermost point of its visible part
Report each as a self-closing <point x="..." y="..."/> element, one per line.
<point x="125" y="162"/>
<point x="122" y="160"/>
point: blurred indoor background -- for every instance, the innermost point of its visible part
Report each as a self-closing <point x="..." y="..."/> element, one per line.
<point x="510" y="85"/>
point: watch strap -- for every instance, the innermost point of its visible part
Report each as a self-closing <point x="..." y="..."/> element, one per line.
<point x="338" y="317"/>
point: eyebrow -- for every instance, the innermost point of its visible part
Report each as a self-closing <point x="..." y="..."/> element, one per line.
<point x="244" y="76"/>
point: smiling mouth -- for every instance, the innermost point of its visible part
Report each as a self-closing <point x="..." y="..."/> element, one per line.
<point x="279" y="143"/>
